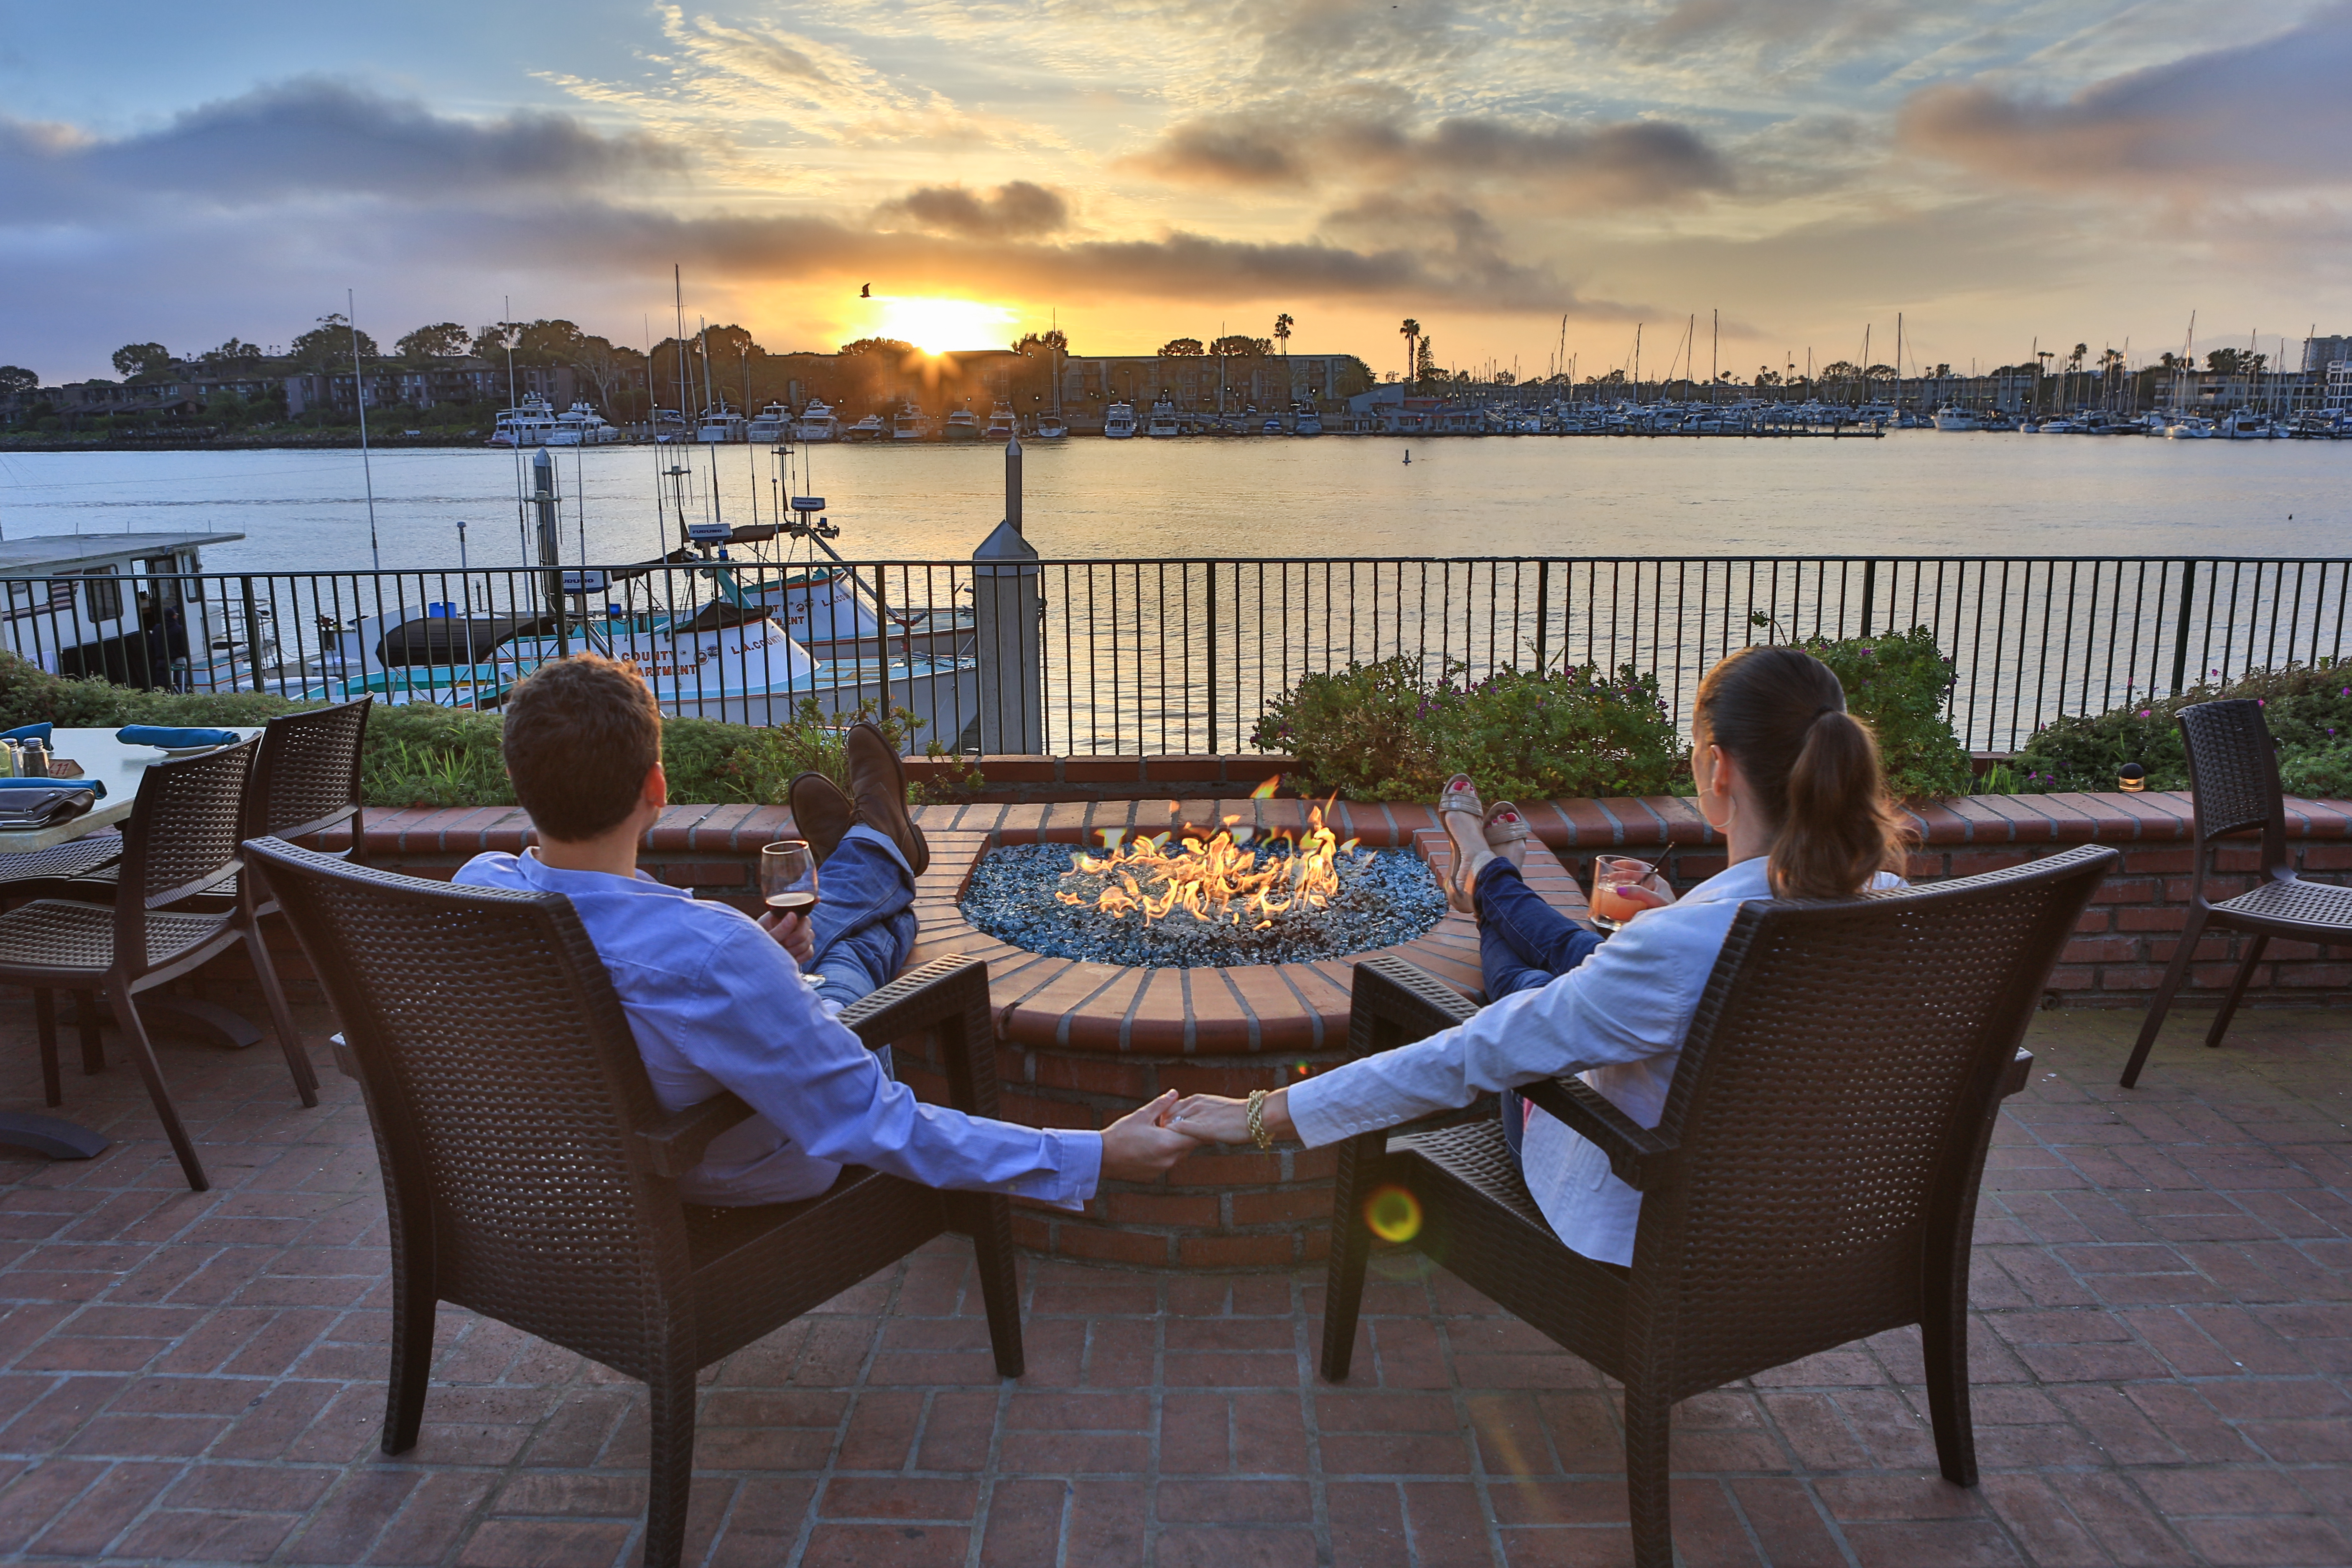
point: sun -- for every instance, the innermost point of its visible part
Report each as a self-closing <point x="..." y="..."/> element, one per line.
<point x="938" y="325"/>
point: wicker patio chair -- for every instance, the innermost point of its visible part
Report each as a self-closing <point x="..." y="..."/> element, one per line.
<point x="2233" y="785"/>
<point x="1813" y="1177"/>
<point x="180" y="841"/>
<point x="530" y="1173"/>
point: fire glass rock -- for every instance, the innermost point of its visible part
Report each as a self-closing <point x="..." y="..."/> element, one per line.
<point x="1385" y="897"/>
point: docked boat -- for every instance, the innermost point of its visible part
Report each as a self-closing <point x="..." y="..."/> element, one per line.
<point x="2248" y="426"/>
<point x="910" y="424"/>
<point x="1119" y="422"/>
<point x="720" y="426"/>
<point x="963" y="425"/>
<point x="1164" y="422"/>
<point x="1307" y="423"/>
<point x="771" y="424"/>
<point x="1051" y="427"/>
<point x="1955" y="418"/>
<point x="817" y="423"/>
<point x="531" y="423"/>
<point x="581" y="425"/>
<point x="669" y="425"/>
<point x="1002" y="426"/>
<point x="870" y="429"/>
<point x="2193" y="427"/>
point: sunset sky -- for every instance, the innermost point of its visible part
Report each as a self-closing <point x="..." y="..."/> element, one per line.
<point x="1995" y="170"/>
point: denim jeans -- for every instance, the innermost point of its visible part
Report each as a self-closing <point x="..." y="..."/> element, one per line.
<point x="865" y="922"/>
<point x="1523" y="944"/>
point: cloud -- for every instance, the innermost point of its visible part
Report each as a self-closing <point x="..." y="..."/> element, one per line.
<point x="1018" y="210"/>
<point x="1747" y="26"/>
<point x="2270" y="114"/>
<point x="1628" y="163"/>
<point x="312" y="136"/>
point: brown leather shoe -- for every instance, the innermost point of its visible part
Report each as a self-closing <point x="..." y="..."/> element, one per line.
<point x="877" y="782"/>
<point x="821" y="812"/>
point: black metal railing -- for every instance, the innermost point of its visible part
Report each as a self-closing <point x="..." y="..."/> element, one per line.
<point x="1136" y="655"/>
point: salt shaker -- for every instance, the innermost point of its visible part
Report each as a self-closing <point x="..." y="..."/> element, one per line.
<point x="36" y="760"/>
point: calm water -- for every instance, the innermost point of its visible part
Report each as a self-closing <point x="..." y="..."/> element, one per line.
<point x="1913" y="493"/>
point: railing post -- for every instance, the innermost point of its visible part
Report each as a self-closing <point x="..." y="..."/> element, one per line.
<point x="1543" y="613"/>
<point x="1213" y="657"/>
<point x="1869" y="593"/>
<point x="252" y="633"/>
<point x="1008" y="632"/>
<point x="2180" y="627"/>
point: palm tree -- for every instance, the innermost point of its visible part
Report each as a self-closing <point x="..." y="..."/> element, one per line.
<point x="1282" y="325"/>
<point x="1412" y="334"/>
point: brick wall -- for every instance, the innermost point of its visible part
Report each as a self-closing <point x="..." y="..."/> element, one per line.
<point x="1244" y="1209"/>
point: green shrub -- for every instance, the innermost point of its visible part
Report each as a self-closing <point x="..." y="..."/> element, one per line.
<point x="2307" y="707"/>
<point x="1383" y="732"/>
<point x="1899" y="683"/>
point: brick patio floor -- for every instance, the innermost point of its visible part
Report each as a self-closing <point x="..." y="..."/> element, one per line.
<point x="2161" y="1345"/>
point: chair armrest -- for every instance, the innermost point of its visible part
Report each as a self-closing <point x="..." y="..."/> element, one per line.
<point x="2013" y="1076"/>
<point x="673" y="1145"/>
<point x="1395" y="1003"/>
<point x="949" y="996"/>
<point x="1639" y="1156"/>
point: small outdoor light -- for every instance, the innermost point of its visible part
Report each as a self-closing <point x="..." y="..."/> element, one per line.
<point x="2131" y="778"/>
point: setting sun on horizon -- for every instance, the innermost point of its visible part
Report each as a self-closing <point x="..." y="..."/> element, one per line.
<point x="938" y="325"/>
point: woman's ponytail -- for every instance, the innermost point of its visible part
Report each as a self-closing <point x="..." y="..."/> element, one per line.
<point x="1813" y="766"/>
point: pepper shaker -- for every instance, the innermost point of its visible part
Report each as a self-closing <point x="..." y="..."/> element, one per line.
<point x="36" y="760"/>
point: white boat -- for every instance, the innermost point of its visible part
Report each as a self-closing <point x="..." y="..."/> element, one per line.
<point x="910" y="424"/>
<point x="531" y="423"/>
<point x="771" y="424"/>
<point x="1163" y="420"/>
<point x="1273" y="427"/>
<point x="581" y="425"/>
<point x="2193" y="427"/>
<point x="1953" y="418"/>
<point x="1308" y="423"/>
<point x="2248" y="426"/>
<point x="963" y="425"/>
<point x="1001" y="424"/>
<point x="1051" y="427"/>
<point x="1119" y="422"/>
<point x="669" y="425"/>
<point x="870" y="429"/>
<point x="817" y="423"/>
<point x="720" y="425"/>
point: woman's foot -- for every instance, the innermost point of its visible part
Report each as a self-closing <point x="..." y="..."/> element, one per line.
<point x="1507" y="834"/>
<point x="1464" y="820"/>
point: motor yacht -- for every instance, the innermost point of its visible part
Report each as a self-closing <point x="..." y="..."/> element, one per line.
<point x="1001" y="424"/>
<point x="1308" y="423"/>
<point x="817" y="423"/>
<point x="2192" y="427"/>
<point x="771" y="424"/>
<point x="1119" y="422"/>
<point x="963" y="425"/>
<point x="910" y="424"/>
<point x="1954" y="418"/>
<point x="870" y="429"/>
<point x="720" y="426"/>
<point x="1163" y="420"/>
<point x="531" y="423"/>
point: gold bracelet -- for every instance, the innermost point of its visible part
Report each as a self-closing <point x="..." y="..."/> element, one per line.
<point x="1257" y="1119"/>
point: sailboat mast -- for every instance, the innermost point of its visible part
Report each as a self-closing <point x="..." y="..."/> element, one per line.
<point x="359" y="396"/>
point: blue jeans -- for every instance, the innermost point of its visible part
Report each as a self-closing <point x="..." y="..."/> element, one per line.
<point x="1523" y="944"/>
<point x="865" y="922"/>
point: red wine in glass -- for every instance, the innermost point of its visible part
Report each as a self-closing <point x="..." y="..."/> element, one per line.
<point x="788" y="876"/>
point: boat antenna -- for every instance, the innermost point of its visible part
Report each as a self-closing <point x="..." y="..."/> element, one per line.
<point x="359" y="396"/>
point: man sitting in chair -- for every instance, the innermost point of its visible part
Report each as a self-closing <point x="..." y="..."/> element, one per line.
<point x="718" y="1000"/>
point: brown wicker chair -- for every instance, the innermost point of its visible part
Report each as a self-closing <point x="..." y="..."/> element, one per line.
<point x="181" y="841"/>
<point x="529" y="1171"/>
<point x="1813" y="1178"/>
<point x="2233" y="784"/>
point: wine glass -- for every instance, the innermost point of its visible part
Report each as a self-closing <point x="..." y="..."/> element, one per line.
<point x="1612" y="909"/>
<point x="788" y="876"/>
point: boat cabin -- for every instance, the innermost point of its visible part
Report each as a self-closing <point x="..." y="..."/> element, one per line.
<point x="116" y="605"/>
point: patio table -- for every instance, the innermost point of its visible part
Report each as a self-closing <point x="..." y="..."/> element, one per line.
<point x="120" y="767"/>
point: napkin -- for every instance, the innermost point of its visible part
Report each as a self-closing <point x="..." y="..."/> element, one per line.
<point x="42" y="731"/>
<point x="96" y="786"/>
<point x="171" y="740"/>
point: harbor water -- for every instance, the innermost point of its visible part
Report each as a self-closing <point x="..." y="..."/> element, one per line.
<point x="1912" y="492"/>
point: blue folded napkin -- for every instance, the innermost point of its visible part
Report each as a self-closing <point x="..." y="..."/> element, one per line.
<point x="171" y="740"/>
<point x="43" y="731"/>
<point x="96" y="786"/>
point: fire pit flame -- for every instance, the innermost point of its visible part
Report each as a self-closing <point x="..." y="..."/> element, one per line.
<point x="1218" y="879"/>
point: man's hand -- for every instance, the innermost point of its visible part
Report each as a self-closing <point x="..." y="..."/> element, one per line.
<point x="792" y="933"/>
<point x="1137" y="1148"/>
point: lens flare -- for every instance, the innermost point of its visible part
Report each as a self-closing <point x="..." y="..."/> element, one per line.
<point x="1393" y="1214"/>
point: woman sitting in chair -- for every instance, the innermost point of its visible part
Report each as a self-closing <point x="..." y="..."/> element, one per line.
<point x="1791" y="781"/>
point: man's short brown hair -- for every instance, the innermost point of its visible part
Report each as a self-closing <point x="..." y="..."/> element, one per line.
<point x="580" y="735"/>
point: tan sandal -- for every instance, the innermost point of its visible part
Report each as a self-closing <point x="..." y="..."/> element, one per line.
<point x="1507" y="834"/>
<point x="1459" y="808"/>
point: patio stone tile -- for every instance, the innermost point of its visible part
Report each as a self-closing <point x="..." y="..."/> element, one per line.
<point x="2161" y="1338"/>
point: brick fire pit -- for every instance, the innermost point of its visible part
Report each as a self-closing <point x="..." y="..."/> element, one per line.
<point x="1081" y="1042"/>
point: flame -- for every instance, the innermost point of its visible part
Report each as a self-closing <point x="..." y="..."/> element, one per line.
<point x="1266" y="790"/>
<point x="1217" y="879"/>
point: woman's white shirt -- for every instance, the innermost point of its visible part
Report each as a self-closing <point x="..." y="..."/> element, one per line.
<point x="1617" y="1019"/>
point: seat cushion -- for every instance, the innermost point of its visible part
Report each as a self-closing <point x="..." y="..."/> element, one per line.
<point x="2295" y="903"/>
<point x="53" y="935"/>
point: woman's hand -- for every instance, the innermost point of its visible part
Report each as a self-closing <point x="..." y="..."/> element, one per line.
<point x="1652" y="892"/>
<point x="792" y="933"/>
<point x="1141" y="1145"/>
<point x="1214" y="1118"/>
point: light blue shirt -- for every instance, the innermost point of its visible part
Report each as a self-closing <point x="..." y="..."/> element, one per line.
<point x="716" y="1004"/>
<point x="1617" y="1019"/>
